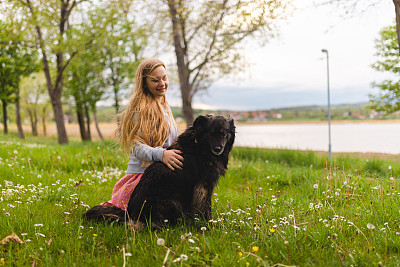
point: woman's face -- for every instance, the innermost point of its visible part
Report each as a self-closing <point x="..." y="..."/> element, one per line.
<point x="157" y="82"/>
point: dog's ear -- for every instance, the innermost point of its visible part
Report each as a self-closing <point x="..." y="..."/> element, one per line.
<point x="200" y="124"/>
<point x="232" y="125"/>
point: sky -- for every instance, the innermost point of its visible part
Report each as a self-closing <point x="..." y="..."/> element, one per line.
<point x="291" y="70"/>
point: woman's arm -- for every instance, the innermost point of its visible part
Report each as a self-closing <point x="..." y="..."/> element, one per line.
<point x="171" y="158"/>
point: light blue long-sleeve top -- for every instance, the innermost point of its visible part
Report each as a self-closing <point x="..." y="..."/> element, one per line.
<point x="143" y="152"/>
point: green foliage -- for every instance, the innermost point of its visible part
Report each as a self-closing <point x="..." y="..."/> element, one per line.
<point x="389" y="61"/>
<point x="274" y="207"/>
<point x="16" y="60"/>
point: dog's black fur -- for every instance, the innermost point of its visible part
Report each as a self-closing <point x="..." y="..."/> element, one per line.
<point x="163" y="195"/>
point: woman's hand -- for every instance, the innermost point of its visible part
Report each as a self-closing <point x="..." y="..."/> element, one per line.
<point x="173" y="159"/>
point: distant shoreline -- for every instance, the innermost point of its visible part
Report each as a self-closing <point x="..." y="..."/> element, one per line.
<point x="316" y="122"/>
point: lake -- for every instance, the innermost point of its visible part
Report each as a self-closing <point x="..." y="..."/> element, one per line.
<point x="346" y="137"/>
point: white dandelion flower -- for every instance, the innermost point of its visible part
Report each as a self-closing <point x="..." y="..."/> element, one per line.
<point x="184" y="257"/>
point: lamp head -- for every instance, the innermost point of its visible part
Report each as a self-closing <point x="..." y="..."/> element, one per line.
<point x="324" y="51"/>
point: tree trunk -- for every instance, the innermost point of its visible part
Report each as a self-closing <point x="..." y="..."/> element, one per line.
<point x="89" y="135"/>
<point x="44" y="121"/>
<point x="5" y="116"/>
<point x="183" y="70"/>
<point x="97" y="125"/>
<point x="81" y="122"/>
<point x="18" y="117"/>
<point x="33" y="124"/>
<point x="59" y="118"/>
<point x="397" y="9"/>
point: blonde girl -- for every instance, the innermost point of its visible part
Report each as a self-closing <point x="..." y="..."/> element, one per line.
<point x="146" y="129"/>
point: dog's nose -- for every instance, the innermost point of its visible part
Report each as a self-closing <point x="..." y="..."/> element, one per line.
<point x="218" y="148"/>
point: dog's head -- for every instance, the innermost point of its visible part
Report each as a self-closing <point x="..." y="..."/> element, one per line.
<point x="214" y="132"/>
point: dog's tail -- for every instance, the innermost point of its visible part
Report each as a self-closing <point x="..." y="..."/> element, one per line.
<point x="106" y="213"/>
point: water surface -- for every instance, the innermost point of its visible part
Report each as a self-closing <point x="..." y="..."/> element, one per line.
<point x="346" y="137"/>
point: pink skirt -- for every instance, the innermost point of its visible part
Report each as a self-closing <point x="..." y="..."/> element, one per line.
<point x="123" y="190"/>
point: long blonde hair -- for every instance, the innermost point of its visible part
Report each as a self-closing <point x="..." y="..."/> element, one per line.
<point x="143" y="120"/>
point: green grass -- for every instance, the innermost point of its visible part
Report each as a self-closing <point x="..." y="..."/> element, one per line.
<point x="274" y="207"/>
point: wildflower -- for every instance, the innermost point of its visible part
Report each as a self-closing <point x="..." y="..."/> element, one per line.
<point x="42" y="235"/>
<point x="176" y="259"/>
<point x="255" y="248"/>
<point x="160" y="242"/>
<point x="39" y="176"/>
<point x="15" y="152"/>
<point x="390" y="167"/>
<point x="94" y="235"/>
<point x="315" y="186"/>
<point x="38" y="224"/>
<point x="370" y="226"/>
<point x="240" y="254"/>
<point x="184" y="257"/>
<point x="203" y="228"/>
<point x="191" y="240"/>
<point x="128" y="254"/>
<point x="272" y="230"/>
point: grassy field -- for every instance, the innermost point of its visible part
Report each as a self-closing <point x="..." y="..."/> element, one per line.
<point x="273" y="208"/>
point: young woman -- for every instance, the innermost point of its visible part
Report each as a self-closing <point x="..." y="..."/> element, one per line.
<point x="146" y="129"/>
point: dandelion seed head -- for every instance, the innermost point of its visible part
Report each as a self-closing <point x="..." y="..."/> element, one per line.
<point x="160" y="242"/>
<point x="370" y="226"/>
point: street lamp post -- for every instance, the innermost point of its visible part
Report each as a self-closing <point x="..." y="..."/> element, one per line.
<point x="329" y="104"/>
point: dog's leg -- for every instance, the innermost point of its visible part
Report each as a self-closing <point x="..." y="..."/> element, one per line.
<point x="166" y="212"/>
<point x="210" y="190"/>
<point x="202" y="196"/>
<point x="104" y="213"/>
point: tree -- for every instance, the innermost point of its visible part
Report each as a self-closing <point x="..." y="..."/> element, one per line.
<point x="16" y="60"/>
<point x="121" y="50"/>
<point x="387" y="47"/>
<point x="33" y="96"/>
<point x="207" y="36"/>
<point x="51" y="22"/>
<point x="108" y="62"/>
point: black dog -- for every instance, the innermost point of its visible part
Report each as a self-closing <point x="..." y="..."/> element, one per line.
<point x="163" y="195"/>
